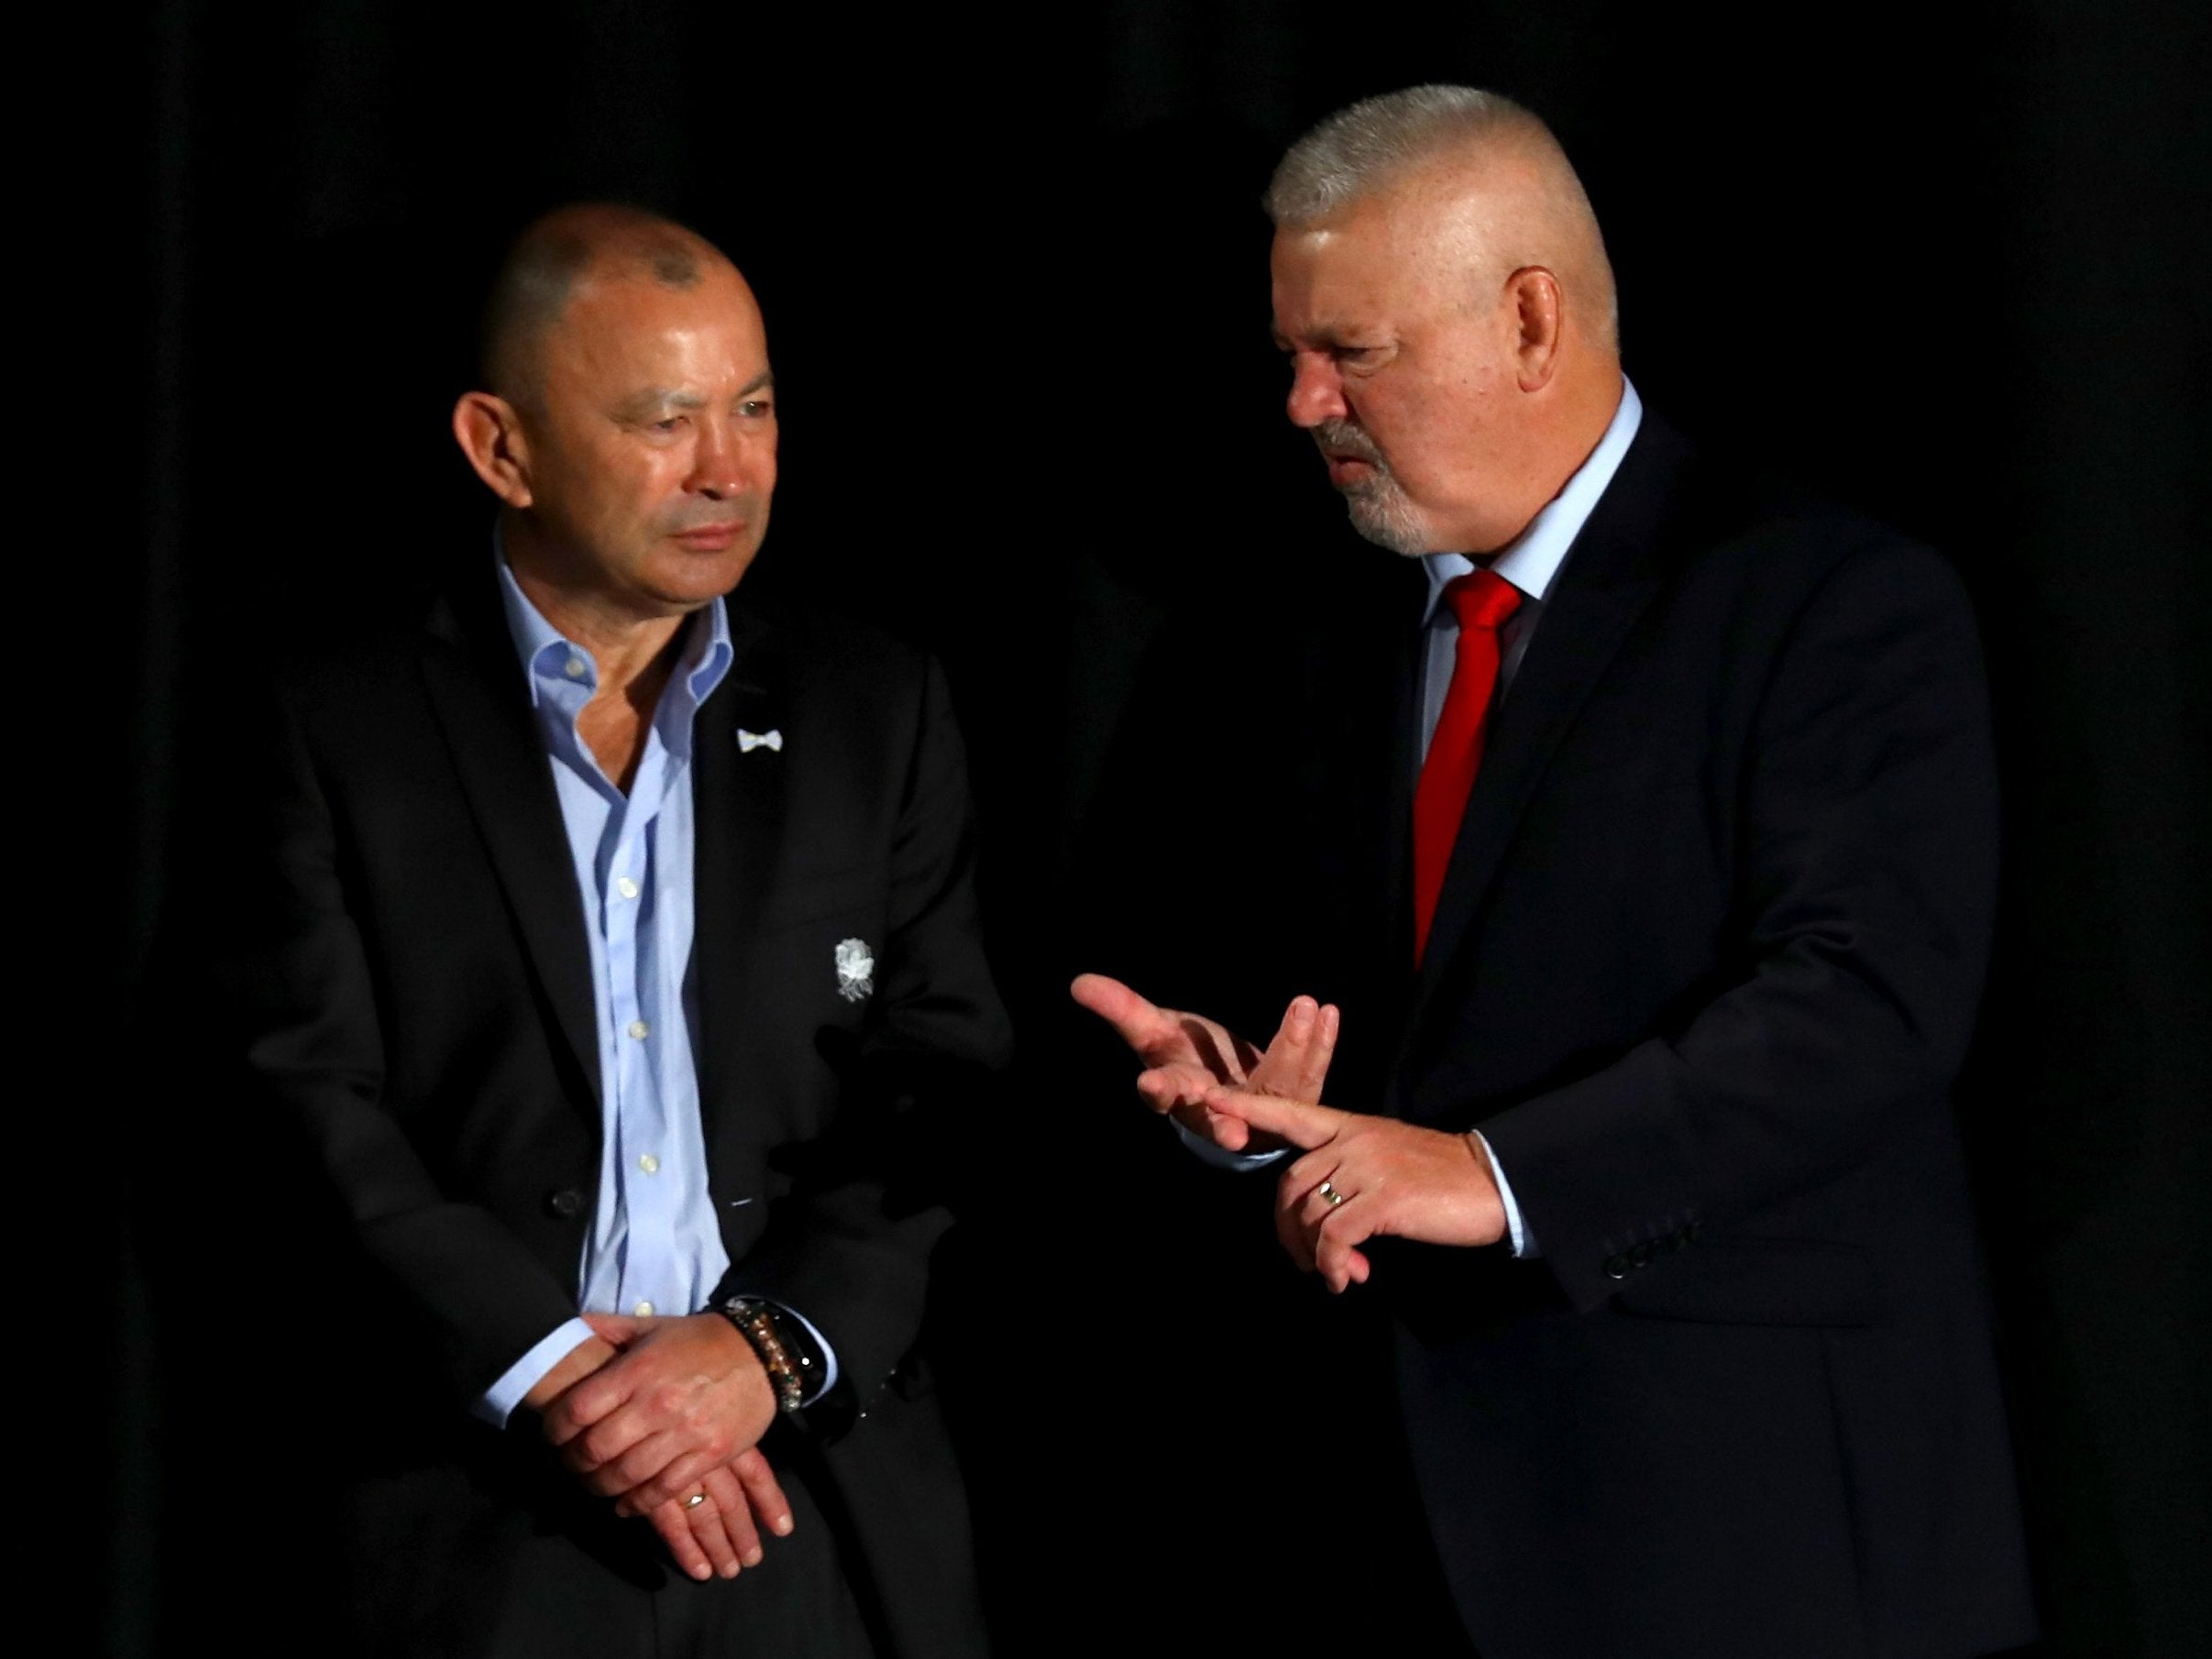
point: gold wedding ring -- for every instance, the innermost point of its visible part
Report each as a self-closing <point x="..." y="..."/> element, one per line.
<point x="696" y="1499"/>
<point x="1327" y="1190"/>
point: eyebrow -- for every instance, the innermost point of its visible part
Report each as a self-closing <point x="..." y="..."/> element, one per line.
<point x="656" y="397"/>
<point x="1327" y="335"/>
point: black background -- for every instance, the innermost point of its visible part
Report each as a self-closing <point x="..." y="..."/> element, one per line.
<point x="1939" y="262"/>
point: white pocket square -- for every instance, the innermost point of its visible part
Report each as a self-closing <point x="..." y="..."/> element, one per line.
<point x="747" y="742"/>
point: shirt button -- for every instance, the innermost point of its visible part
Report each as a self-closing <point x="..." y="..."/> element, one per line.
<point x="575" y="667"/>
<point x="640" y="1029"/>
<point x="643" y="1309"/>
<point x="626" y="887"/>
<point x="650" y="1164"/>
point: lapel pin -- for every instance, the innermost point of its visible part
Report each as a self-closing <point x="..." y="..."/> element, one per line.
<point x="747" y="742"/>
<point x="855" y="969"/>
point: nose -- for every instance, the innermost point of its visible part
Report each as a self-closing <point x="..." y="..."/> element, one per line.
<point x="723" y="463"/>
<point x="1316" y="391"/>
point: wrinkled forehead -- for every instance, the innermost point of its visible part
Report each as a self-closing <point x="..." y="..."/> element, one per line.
<point x="1385" y="255"/>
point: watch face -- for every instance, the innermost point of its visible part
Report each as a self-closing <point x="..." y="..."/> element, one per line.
<point x="800" y="1346"/>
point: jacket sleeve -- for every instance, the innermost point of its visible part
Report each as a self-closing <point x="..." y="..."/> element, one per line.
<point x="1865" y="882"/>
<point x="294" y="975"/>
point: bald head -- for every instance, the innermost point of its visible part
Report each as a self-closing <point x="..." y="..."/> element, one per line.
<point x="1473" y="175"/>
<point x="559" y="254"/>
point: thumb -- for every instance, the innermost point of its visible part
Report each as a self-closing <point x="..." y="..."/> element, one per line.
<point x="617" y="1328"/>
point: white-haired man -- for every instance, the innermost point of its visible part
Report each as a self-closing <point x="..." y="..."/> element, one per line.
<point x="1645" y="854"/>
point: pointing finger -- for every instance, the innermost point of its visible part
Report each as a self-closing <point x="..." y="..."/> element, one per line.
<point x="1303" y="1124"/>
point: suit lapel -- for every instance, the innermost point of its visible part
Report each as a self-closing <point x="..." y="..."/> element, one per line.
<point x="739" y="805"/>
<point x="1610" y="577"/>
<point x="478" y="693"/>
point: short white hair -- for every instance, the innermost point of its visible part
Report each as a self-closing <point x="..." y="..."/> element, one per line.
<point x="1366" y="147"/>
<point x="1365" y="144"/>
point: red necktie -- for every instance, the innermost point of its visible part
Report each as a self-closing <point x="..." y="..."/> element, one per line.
<point x="1481" y="602"/>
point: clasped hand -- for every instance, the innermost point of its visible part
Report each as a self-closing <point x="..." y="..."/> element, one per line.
<point x="667" y="1408"/>
<point x="1359" y="1175"/>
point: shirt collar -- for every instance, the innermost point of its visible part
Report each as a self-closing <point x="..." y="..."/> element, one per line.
<point x="1531" y="561"/>
<point x="545" y="652"/>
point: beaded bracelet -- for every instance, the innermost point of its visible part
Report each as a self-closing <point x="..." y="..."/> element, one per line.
<point x="756" y="1322"/>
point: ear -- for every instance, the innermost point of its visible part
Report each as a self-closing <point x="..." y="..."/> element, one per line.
<point x="490" y="435"/>
<point x="1534" y="293"/>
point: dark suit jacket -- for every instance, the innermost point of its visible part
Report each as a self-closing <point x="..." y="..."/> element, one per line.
<point x="409" y="985"/>
<point x="1704" y="967"/>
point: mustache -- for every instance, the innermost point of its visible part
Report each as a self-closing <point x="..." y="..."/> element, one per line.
<point x="1343" y="438"/>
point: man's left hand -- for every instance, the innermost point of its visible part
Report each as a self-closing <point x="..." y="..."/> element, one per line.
<point x="1363" y="1176"/>
<point x="684" y="1395"/>
<point x="716" y="1530"/>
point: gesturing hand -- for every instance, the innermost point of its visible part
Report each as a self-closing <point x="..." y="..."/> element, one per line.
<point x="683" y="1396"/>
<point x="718" y="1534"/>
<point x="1363" y="1176"/>
<point x="1187" y="1057"/>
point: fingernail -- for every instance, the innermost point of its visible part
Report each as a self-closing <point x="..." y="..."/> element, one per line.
<point x="752" y="1557"/>
<point x="702" y="1573"/>
<point x="733" y="1570"/>
<point x="783" y="1526"/>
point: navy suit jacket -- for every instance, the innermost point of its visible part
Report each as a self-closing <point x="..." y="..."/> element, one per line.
<point x="1705" y="968"/>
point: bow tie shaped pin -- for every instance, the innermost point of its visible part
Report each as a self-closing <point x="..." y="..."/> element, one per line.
<point x="747" y="742"/>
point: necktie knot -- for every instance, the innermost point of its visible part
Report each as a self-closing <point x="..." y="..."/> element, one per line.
<point x="1481" y="599"/>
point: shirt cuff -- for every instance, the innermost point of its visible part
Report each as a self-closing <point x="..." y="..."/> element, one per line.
<point x="1221" y="1158"/>
<point x="821" y="1345"/>
<point x="1523" y="1241"/>
<point x="498" y="1401"/>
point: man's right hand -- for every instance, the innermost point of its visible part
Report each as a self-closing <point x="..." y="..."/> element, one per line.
<point x="1186" y="1056"/>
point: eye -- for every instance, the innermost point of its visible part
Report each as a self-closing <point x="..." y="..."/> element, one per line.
<point x="667" y="423"/>
<point x="756" y="408"/>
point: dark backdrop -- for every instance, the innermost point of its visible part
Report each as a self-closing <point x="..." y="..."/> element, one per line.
<point x="1938" y="262"/>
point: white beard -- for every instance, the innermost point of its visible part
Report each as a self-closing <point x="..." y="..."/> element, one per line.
<point x="1380" y="512"/>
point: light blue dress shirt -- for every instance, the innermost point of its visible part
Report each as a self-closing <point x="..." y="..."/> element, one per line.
<point x="1530" y="561"/>
<point x="653" y="1246"/>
